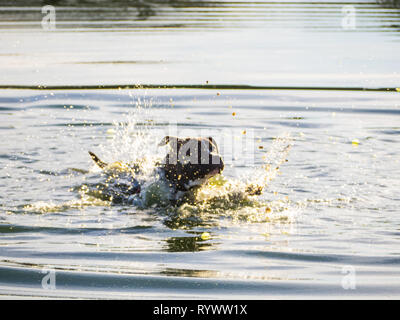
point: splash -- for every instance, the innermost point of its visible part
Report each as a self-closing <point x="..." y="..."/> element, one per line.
<point x="244" y="191"/>
<point x="240" y="199"/>
<point x="236" y="199"/>
<point x="231" y="193"/>
<point x="130" y="140"/>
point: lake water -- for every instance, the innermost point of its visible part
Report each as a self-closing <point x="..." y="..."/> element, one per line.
<point x="259" y="77"/>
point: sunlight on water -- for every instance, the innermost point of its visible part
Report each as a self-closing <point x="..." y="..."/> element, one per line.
<point x="301" y="97"/>
<point x="75" y="217"/>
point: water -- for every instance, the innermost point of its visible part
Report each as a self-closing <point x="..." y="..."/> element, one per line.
<point x="327" y="224"/>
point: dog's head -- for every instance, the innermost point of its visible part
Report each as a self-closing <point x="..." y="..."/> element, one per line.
<point x="190" y="161"/>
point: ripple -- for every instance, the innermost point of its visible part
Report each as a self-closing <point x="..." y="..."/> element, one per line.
<point x="191" y="15"/>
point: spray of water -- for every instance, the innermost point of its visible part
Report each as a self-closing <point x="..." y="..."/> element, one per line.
<point x="133" y="142"/>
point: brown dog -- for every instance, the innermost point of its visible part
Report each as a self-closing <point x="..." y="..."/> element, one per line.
<point x="190" y="161"/>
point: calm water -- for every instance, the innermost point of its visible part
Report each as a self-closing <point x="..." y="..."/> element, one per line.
<point x="327" y="225"/>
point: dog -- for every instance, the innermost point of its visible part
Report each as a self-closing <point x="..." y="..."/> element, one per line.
<point x="188" y="164"/>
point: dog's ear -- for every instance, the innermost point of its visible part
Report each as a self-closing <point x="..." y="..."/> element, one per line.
<point x="96" y="159"/>
<point x="164" y="141"/>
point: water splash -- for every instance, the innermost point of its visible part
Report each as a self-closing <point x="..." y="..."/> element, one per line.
<point x="237" y="199"/>
<point x="130" y="140"/>
<point x="133" y="141"/>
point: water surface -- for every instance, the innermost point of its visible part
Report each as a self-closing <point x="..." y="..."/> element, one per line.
<point x="327" y="224"/>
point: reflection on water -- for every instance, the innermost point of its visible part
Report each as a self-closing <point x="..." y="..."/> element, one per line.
<point x="389" y="3"/>
<point x="188" y="244"/>
<point x="277" y="43"/>
<point x="190" y="273"/>
<point x="194" y="14"/>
